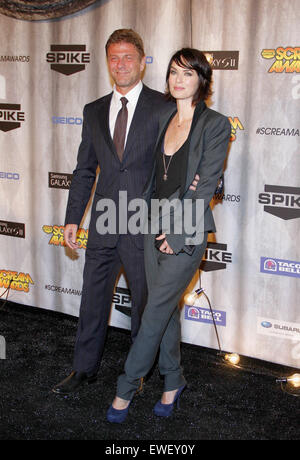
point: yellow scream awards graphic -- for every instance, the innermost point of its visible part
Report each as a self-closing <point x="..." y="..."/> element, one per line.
<point x="235" y="124"/>
<point x="286" y="59"/>
<point x="57" y="235"/>
<point x="17" y="281"/>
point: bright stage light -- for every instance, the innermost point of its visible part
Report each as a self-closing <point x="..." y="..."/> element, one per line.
<point x="293" y="380"/>
<point x="190" y="298"/>
<point x="232" y="358"/>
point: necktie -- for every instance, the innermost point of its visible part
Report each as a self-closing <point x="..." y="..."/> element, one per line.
<point x="120" y="128"/>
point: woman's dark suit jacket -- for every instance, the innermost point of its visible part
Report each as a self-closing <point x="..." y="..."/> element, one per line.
<point x="206" y="154"/>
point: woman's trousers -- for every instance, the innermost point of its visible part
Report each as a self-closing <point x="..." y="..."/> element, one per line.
<point x="167" y="278"/>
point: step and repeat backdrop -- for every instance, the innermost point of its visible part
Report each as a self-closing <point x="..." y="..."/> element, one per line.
<point x="52" y="62"/>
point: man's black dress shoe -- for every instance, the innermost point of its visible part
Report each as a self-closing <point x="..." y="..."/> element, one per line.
<point x="73" y="382"/>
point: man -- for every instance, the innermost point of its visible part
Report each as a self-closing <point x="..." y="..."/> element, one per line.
<point x="119" y="135"/>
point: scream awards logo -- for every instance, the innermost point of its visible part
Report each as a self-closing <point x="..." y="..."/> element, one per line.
<point x="17" y="281"/>
<point x="12" y="229"/>
<point x="68" y="59"/>
<point x="278" y="131"/>
<point x="228" y="198"/>
<point x="223" y="60"/>
<point x="216" y="257"/>
<point x="235" y="124"/>
<point x="14" y="58"/>
<point x="57" y="236"/>
<point x="281" y="201"/>
<point x="286" y="59"/>
<point x="62" y="290"/>
<point x="11" y="116"/>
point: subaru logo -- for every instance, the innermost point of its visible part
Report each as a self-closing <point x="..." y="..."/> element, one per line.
<point x="266" y="324"/>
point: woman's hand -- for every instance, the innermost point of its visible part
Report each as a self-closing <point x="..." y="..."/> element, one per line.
<point x="194" y="184"/>
<point x="165" y="248"/>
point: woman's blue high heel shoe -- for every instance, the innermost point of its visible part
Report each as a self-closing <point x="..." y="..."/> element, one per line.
<point x="117" y="415"/>
<point x="165" y="410"/>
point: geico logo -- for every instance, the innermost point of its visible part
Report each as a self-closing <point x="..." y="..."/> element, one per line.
<point x="279" y="199"/>
<point x="67" y="120"/>
<point x="68" y="57"/>
<point x="7" y="175"/>
<point x="12" y="115"/>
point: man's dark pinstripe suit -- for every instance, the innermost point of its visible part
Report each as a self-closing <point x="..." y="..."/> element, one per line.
<point x="106" y="253"/>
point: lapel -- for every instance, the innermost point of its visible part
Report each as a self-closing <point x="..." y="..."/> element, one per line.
<point x="104" y="124"/>
<point x="193" y="157"/>
<point x="137" y="122"/>
<point x="163" y="124"/>
<point x="150" y="185"/>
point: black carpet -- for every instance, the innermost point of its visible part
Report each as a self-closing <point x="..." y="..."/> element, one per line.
<point x="221" y="402"/>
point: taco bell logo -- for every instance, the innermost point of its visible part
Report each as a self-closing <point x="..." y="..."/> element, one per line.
<point x="270" y="265"/>
<point x="203" y="315"/>
<point x="193" y="313"/>
<point x="280" y="267"/>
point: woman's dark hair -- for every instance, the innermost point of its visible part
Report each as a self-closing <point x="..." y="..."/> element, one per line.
<point x="190" y="58"/>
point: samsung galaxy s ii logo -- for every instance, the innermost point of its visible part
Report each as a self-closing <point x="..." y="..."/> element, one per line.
<point x="68" y="59"/>
<point x="15" y="229"/>
<point x="59" y="180"/>
<point x="223" y="60"/>
<point x="281" y="201"/>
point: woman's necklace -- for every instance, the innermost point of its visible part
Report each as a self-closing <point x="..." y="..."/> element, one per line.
<point x="179" y="124"/>
<point x="165" y="176"/>
<point x="183" y="122"/>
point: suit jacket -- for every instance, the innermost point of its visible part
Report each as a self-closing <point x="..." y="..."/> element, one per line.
<point x="206" y="155"/>
<point x="97" y="148"/>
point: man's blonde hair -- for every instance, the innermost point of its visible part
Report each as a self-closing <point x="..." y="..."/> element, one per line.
<point x="127" y="36"/>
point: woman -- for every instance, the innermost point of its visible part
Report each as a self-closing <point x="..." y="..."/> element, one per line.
<point x="193" y="140"/>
